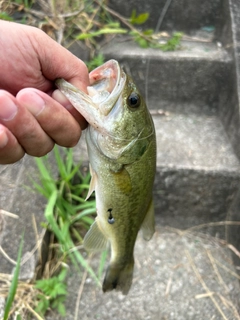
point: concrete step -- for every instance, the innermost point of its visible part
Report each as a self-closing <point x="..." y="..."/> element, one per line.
<point x="195" y="74"/>
<point x="198" y="173"/>
<point x="193" y="141"/>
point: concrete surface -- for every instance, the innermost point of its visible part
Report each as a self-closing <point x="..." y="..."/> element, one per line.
<point x="17" y="197"/>
<point x="180" y="277"/>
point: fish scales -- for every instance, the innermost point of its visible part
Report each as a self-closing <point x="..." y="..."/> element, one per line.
<point x="122" y="152"/>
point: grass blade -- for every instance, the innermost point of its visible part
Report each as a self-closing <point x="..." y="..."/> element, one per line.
<point x="14" y="283"/>
<point x="49" y="215"/>
<point x="60" y="163"/>
<point x="46" y="178"/>
<point x="102" y="263"/>
<point x="86" y="266"/>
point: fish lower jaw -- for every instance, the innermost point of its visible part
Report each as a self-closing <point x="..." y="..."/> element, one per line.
<point x="118" y="278"/>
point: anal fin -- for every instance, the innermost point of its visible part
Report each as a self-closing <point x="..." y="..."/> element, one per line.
<point x="95" y="240"/>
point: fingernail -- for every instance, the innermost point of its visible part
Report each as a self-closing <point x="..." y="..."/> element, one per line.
<point x="8" y="109"/>
<point x="34" y="103"/>
<point x="3" y="137"/>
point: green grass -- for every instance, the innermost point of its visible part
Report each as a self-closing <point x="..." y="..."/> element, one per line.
<point x="67" y="213"/>
<point x="14" y="284"/>
<point x="68" y="217"/>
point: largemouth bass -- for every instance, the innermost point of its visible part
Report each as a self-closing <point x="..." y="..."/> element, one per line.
<point x="122" y="152"/>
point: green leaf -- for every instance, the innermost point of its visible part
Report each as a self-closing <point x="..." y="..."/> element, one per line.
<point x="14" y="283"/>
<point x="5" y="16"/>
<point x="148" y="32"/>
<point x="61" y="290"/>
<point x="173" y="43"/>
<point x="140" y="19"/>
<point x="61" y="309"/>
<point x="40" y="284"/>
<point x="92" y="34"/>
<point x="113" y="24"/>
<point x="43" y="304"/>
<point x="143" y="43"/>
<point x="62" y="275"/>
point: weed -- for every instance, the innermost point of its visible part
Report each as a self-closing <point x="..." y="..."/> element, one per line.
<point x="173" y="43"/>
<point x="88" y="21"/>
<point x="67" y="215"/>
<point x="52" y="294"/>
<point x="140" y="19"/>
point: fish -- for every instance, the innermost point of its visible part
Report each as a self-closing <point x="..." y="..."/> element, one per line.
<point x="121" y="143"/>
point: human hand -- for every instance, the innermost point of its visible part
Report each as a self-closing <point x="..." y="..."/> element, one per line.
<point x="32" y="115"/>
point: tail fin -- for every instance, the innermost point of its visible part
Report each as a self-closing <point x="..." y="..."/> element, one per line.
<point x="119" y="278"/>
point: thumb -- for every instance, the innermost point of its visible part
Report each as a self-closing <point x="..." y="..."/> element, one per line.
<point x="58" y="62"/>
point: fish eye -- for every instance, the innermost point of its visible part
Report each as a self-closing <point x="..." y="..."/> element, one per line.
<point x="133" y="100"/>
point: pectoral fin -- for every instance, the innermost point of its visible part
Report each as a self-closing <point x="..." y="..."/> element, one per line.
<point x="92" y="182"/>
<point x="148" y="225"/>
<point x="95" y="240"/>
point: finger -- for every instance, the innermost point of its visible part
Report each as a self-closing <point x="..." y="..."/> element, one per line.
<point x="59" y="97"/>
<point x="10" y="150"/>
<point x="61" y="65"/>
<point x="23" y="126"/>
<point x="53" y="118"/>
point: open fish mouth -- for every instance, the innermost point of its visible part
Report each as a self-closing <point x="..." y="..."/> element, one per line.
<point x="104" y="78"/>
<point x="106" y="84"/>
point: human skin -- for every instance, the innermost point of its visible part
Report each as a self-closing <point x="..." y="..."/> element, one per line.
<point x="33" y="115"/>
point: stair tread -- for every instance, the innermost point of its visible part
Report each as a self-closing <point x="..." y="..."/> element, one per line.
<point x="196" y="141"/>
<point x="121" y="46"/>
